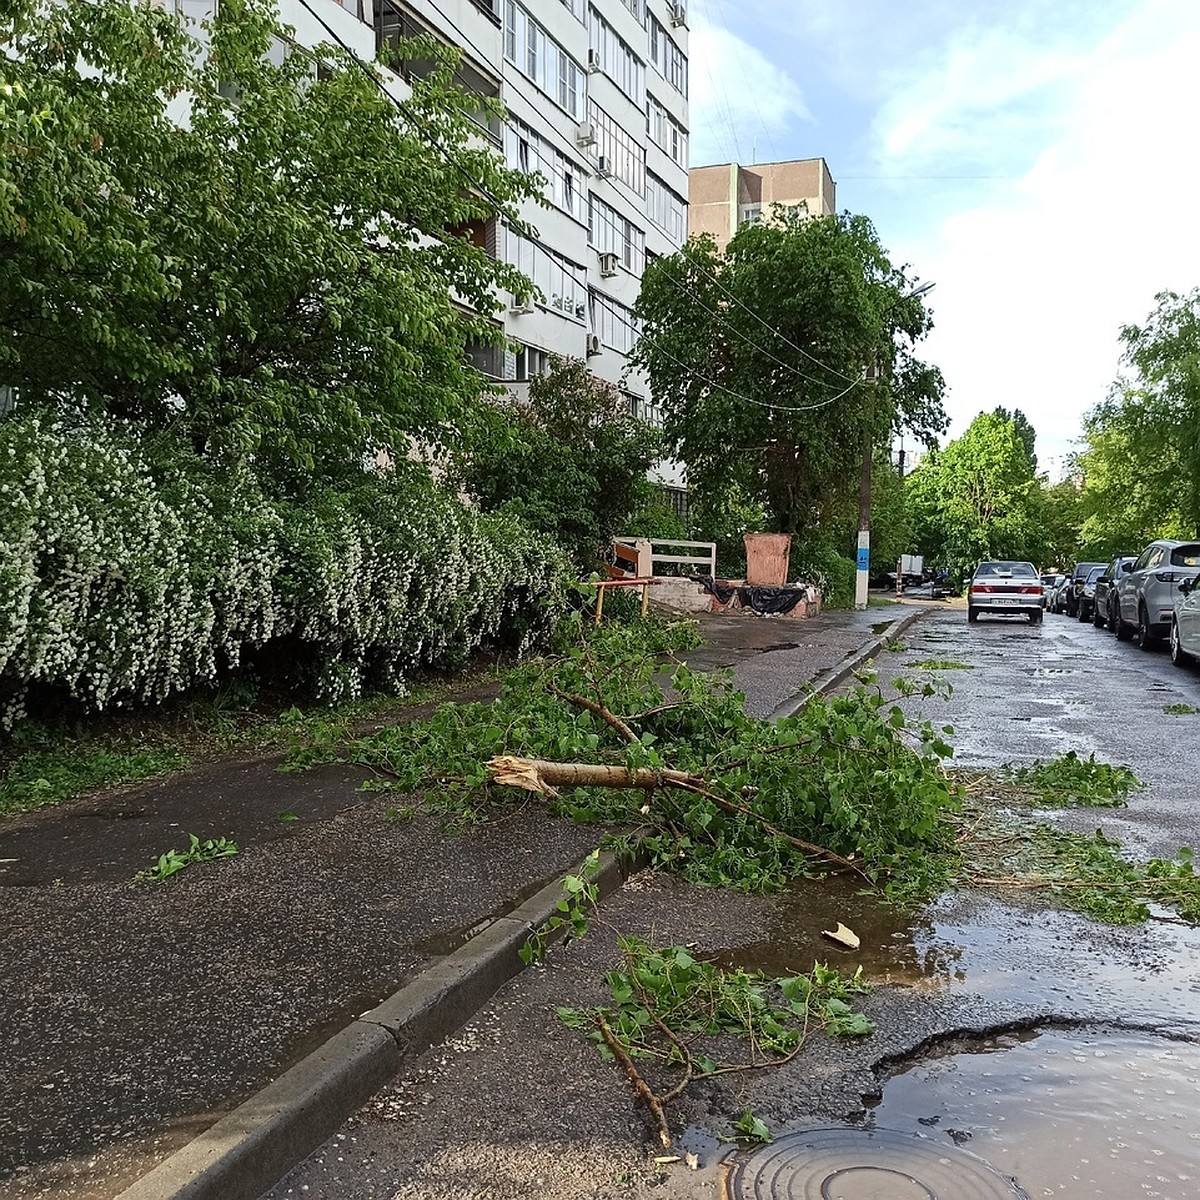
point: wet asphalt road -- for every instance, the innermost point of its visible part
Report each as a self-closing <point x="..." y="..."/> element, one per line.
<point x="517" y="1105"/>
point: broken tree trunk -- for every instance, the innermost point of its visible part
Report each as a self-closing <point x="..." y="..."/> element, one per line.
<point x="545" y="778"/>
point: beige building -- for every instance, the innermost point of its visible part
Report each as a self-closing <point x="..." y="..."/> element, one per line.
<point x="722" y="198"/>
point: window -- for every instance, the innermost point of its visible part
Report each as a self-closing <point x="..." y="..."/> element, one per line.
<point x="612" y="233"/>
<point x="667" y="57"/>
<point x="751" y="214"/>
<point x="666" y="209"/>
<point x="1181" y="556"/>
<point x="666" y="132"/>
<point x="562" y="283"/>
<point x="617" y="59"/>
<point x="576" y="8"/>
<point x="612" y="322"/>
<point x="626" y="159"/>
<point x="526" y="151"/>
<point x="535" y="53"/>
<point x="528" y="362"/>
<point x="638" y="8"/>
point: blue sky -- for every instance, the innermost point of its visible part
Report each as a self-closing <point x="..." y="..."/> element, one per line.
<point x="1036" y="159"/>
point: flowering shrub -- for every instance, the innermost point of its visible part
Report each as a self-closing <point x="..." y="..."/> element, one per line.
<point x="131" y="571"/>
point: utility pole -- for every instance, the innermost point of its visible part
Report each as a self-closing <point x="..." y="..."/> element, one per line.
<point x="863" y="575"/>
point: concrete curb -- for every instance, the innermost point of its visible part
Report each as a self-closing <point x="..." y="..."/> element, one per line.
<point x="836" y="676"/>
<point x="252" y="1148"/>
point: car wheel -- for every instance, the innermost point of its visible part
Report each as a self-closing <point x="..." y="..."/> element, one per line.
<point x="1179" y="656"/>
<point x="1145" y="639"/>
<point x="1124" y="630"/>
<point x="972" y="615"/>
<point x="1083" y="613"/>
<point x="1097" y="619"/>
<point x="1035" y="616"/>
<point x="1114" y="619"/>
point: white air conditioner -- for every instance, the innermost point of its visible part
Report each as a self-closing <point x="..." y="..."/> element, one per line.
<point x="608" y="264"/>
<point x="593" y="345"/>
<point x="603" y="169"/>
<point x="593" y="63"/>
<point x="677" y="11"/>
<point x="585" y="135"/>
<point x="521" y="304"/>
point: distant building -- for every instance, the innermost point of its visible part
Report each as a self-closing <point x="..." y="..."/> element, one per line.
<point x="724" y="197"/>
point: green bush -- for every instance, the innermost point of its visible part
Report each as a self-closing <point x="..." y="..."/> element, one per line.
<point x="820" y="564"/>
<point x="133" y="570"/>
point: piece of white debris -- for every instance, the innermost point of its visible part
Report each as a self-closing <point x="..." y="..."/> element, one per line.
<point x="843" y="935"/>
<point x="692" y="1160"/>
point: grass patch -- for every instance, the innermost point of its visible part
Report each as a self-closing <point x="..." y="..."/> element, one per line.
<point x="942" y="664"/>
<point x="43" y="765"/>
<point x="895" y="646"/>
<point x="1180" y="710"/>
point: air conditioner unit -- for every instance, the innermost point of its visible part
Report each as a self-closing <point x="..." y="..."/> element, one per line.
<point x="593" y="63"/>
<point x="593" y="345"/>
<point x="521" y="304"/>
<point x="677" y="11"/>
<point x="602" y="167"/>
<point x="608" y="264"/>
<point x="585" y="135"/>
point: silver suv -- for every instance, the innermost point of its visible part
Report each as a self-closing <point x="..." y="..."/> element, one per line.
<point x="1148" y="588"/>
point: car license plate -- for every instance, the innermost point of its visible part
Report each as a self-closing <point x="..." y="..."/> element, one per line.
<point x="1006" y="600"/>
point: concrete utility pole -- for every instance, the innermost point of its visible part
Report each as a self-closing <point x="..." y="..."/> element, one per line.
<point x="863" y="575"/>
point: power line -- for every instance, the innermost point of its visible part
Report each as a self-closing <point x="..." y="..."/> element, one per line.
<point x="606" y="303"/>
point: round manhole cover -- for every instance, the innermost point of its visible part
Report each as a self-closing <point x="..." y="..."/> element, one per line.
<point x="842" y="1163"/>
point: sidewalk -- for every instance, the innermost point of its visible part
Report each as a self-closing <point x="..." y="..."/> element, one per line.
<point x="136" y="1015"/>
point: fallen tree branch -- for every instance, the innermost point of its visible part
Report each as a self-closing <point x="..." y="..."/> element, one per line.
<point x="642" y="1088"/>
<point x="597" y="710"/>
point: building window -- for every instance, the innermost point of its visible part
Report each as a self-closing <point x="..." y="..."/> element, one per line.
<point x="625" y="158"/>
<point x="528" y="362"/>
<point x="617" y="59"/>
<point x="667" y="57"/>
<point x="562" y="283"/>
<point x="612" y="233"/>
<point x="751" y="214"/>
<point x="666" y="133"/>
<point x="526" y="151"/>
<point x="535" y="53"/>
<point x="638" y="8"/>
<point x="612" y="322"/>
<point x="666" y="209"/>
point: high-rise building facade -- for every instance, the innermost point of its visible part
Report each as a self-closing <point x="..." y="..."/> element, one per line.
<point x="727" y="196"/>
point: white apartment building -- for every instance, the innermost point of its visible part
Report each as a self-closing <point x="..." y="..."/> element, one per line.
<point x="596" y="98"/>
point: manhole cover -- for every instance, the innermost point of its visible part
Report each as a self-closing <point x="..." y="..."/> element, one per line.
<point x="841" y="1163"/>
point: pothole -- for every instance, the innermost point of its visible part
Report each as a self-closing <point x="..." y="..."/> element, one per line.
<point x="845" y="1163"/>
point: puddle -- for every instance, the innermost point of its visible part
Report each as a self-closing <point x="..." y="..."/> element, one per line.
<point x="1100" y="1114"/>
<point x="880" y="626"/>
<point x="897" y="946"/>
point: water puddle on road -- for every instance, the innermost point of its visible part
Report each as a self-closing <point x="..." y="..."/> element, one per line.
<point x="1095" y="1114"/>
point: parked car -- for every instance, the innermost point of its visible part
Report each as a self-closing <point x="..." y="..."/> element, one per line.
<point x="1051" y="583"/>
<point x="1147" y="589"/>
<point x="1085" y="602"/>
<point x="1005" y="587"/>
<point x="1185" y="625"/>
<point x="1104" y="605"/>
<point x="1056" y="600"/>
<point x="1079" y="574"/>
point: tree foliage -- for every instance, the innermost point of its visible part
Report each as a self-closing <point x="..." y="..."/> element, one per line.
<point x="570" y="460"/>
<point x="252" y="253"/>
<point x="977" y="498"/>
<point x="781" y="416"/>
<point x="1141" y="462"/>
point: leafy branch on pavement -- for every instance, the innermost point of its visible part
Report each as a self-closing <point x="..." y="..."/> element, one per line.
<point x="1071" y="781"/>
<point x="725" y="798"/>
<point x="174" y="861"/>
<point x="669" y="1009"/>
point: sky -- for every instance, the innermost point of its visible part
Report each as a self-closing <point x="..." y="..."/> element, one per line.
<point x="1035" y="159"/>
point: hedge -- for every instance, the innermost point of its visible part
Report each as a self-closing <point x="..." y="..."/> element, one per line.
<point x="133" y="570"/>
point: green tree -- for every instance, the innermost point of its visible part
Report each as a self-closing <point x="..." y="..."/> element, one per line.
<point x="781" y="413"/>
<point x="1061" y="516"/>
<point x="977" y="498"/>
<point x="1025" y="431"/>
<point x="570" y="460"/>
<point x="267" y="275"/>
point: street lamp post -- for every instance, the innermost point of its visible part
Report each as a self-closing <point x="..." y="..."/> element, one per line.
<point x="863" y="573"/>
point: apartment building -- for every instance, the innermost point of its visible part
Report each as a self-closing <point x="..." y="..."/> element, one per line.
<point x="596" y="95"/>
<point x="724" y="197"/>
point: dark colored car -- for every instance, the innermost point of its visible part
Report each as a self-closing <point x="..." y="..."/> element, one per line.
<point x="1079" y="574"/>
<point x="1104" y="604"/>
<point x="1085" y="602"/>
<point x="1005" y="587"/>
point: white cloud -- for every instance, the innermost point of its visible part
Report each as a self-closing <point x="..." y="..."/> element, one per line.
<point x="1034" y="284"/>
<point x="739" y="99"/>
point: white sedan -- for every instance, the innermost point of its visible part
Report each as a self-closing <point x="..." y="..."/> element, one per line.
<point x="1185" y="626"/>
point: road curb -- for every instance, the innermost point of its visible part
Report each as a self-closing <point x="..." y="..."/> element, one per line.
<point x="248" y="1151"/>
<point x="836" y="676"/>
